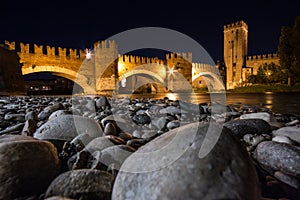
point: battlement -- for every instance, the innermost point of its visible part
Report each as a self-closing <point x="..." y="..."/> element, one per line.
<point x="196" y="67"/>
<point x="235" y="25"/>
<point x="263" y="57"/>
<point x="186" y="56"/>
<point x="129" y="59"/>
<point x="105" y="44"/>
<point x="48" y="51"/>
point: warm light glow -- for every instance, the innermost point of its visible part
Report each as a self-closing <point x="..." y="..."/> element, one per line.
<point x="88" y="54"/>
<point x="120" y="66"/>
<point x="171" y="71"/>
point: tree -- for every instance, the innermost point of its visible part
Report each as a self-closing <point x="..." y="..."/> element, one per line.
<point x="289" y="50"/>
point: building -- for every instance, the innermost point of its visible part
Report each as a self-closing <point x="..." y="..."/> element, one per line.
<point x="239" y="65"/>
<point x="11" y="79"/>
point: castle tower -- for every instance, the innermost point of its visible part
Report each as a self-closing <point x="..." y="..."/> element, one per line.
<point x="235" y="52"/>
<point x="106" y="54"/>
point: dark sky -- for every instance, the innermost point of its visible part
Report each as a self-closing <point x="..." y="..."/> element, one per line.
<point x="78" y="24"/>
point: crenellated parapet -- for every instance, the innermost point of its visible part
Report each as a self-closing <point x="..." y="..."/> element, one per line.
<point x="185" y="56"/>
<point x="105" y="44"/>
<point x="129" y="59"/>
<point x="200" y="67"/>
<point x="40" y="50"/>
<point x="235" y="25"/>
<point x="263" y="57"/>
<point x="258" y="60"/>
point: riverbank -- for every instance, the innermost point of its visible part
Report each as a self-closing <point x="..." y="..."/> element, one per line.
<point x="110" y="149"/>
<point x="265" y="88"/>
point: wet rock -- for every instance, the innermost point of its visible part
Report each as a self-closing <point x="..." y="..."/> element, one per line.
<point x="254" y="140"/>
<point x="102" y="103"/>
<point x="58" y="113"/>
<point x="287" y="179"/>
<point x="260" y="115"/>
<point x="115" y="154"/>
<point x="173" y="124"/>
<point x="170" y="110"/>
<point x="248" y="126"/>
<point x="278" y="157"/>
<point x="14" y="129"/>
<point x="27" y="166"/>
<point x="283" y="139"/>
<point x="44" y="115"/>
<point x="82" y="184"/>
<point x="293" y="132"/>
<point x="67" y="127"/>
<point x="98" y="144"/>
<point x="141" y="119"/>
<point x="110" y="129"/>
<point x="15" y="117"/>
<point x="169" y="167"/>
<point x="29" y="127"/>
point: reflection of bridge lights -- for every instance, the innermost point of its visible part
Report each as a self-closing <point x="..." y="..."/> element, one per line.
<point x="88" y="54"/>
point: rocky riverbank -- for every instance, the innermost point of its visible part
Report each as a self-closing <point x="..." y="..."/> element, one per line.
<point x="102" y="148"/>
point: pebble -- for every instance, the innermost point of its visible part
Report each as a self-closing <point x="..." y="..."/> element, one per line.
<point x="248" y="126"/>
<point x="82" y="184"/>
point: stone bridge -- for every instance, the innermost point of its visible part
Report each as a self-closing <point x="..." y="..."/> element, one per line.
<point x="103" y="70"/>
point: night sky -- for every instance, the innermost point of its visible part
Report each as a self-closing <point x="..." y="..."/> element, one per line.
<point x="78" y="24"/>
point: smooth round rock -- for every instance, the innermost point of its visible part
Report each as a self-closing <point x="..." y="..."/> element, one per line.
<point x="82" y="184"/>
<point x="279" y="157"/>
<point x="98" y="144"/>
<point x="248" y="126"/>
<point x="67" y="127"/>
<point x="27" y="166"/>
<point x="169" y="167"/>
<point x="293" y="132"/>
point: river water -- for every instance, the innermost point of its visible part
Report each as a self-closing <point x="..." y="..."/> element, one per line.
<point x="277" y="102"/>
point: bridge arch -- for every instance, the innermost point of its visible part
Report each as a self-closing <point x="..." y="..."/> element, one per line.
<point x="72" y="75"/>
<point x="212" y="80"/>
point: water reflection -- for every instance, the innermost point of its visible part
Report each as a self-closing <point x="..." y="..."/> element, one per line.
<point x="277" y="102"/>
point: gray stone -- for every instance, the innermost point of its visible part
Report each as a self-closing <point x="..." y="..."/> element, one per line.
<point x="27" y="166"/>
<point x="98" y="144"/>
<point x="173" y="124"/>
<point x="283" y="139"/>
<point x="82" y="184"/>
<point x="169" y="167"/>
<point x="115" y="154"/>
<point x="58" y="113"/>
<point x="278" y="157"/>
<point x="102" y="103"/>
<point x="260" y="115"/>
<point x="141" y="119"/>
<point x="293" y="132"/>
<point x="16" y="129"/>
<point x="170" y="110"/>
<point x="248" y="126"/>
<point x="67" y="127"/>
<point x="287" y="179"/>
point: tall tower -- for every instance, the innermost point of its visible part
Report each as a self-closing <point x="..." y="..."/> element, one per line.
<point x="235" y="52"/>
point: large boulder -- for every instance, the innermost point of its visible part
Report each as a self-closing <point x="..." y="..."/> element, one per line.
<point x="27" y="166"/>
<point x="173" y="166"/>
<point x="293" y="132"/>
